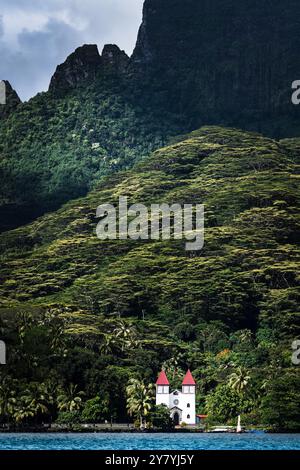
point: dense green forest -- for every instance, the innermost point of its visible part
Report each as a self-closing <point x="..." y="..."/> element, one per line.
<point x="83" y="317"/>
<point x="56" y="147"/>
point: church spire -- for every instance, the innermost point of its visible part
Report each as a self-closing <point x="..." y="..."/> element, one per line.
<point x="162" y="379"/>
<point x="188" y="379"/>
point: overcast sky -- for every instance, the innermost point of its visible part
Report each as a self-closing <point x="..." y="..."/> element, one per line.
<point x="37" y="35"/>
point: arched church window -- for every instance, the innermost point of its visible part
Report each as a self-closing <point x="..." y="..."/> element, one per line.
<point x="188" y="405"/>
<point x="188" y="416"/>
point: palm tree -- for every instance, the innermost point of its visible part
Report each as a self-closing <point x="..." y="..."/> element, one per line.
<point x="126" y="334"/>
<point x="40" y="398"/>
<point x="108" y="345"/>
<point x="7" y="397"/>
<point x="239" y="380"/>
<point x="24" y="409"/>
<point x="139" y="399"/>
<point x="33" y="402"/>
<point x="121" y="338"/>
<point x="24" y="322"/>
<point x="70" y="399"/>
<point x="55" y="323"/>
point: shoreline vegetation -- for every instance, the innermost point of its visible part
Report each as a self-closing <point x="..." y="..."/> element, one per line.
<point x="130" y="428"/>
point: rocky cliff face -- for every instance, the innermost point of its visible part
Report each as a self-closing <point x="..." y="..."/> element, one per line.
<point x="12" y="101"/>
<point x="85" y="63"/>
<point x="114" y="58"/>
<point x="81" y="64"/>
<point x="227" y="62"/>
<point x="207" y="62"/>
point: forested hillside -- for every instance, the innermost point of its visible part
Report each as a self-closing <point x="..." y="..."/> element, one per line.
<point x="56" y="146"/>
<point x="78" y="310"/>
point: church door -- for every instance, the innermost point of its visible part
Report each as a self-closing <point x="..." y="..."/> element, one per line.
<point x="176" y="418"/>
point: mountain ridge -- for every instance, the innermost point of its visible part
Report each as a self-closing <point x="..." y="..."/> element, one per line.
<point x="194" y="64"/>
<point x="85" y="63"/>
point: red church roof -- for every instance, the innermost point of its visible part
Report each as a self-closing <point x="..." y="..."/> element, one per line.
<point x="162" y="379"/>
<point x="188" y="379"/>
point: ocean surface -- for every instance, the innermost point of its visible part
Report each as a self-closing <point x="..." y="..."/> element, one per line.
<point x="161" y="441"/>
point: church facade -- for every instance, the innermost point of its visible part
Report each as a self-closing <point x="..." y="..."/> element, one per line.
<point x="181" y="403"/>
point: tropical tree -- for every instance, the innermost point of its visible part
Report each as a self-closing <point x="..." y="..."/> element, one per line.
<point x="140" y="399"/>
<point x="55" y="324"/>
<point x="70" y="399"/>
<point x="126" y="333"/>
<point x="40" y="397"/>
<point x="239" y="380"/>
<point x="95" y="409"/>
<point x="24" y="322"/>
<point x="225" y="403"/>
<point x="34" y="401"/>
<point x="280" y="407"/>
<point x="24" y="409"/>
<point x="7" y="397"/>
<point x="160" y="418"/>
<point x="121" y="338"/>
<point x="108" y="345"/>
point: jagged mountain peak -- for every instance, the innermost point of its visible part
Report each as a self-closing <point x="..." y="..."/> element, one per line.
<point x="113" y="56"/>
<point x="85" y="63"/>
<point x="12" y="100"/>
<point x="87" y="53"/>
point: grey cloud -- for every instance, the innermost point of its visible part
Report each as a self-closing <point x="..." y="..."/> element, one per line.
<point x="29" y="69"/>
<point x="69" y="24"/>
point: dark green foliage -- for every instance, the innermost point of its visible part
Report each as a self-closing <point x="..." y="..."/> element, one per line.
<point x="97" y="313"/>
<point x="160" y="418"/>
<point x="249" y="187"/>
<point x="281" y="405"/>
<point x="224" y="403"/>
<point x="68" y="417"/>
<point x="95" y="410"/>
<point x="55" y="147"/>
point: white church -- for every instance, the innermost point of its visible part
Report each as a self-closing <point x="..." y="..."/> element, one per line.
<point x="181" y="403"/>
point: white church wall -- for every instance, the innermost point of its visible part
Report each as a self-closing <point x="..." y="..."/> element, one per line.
<point x="184" y="401"/>
<point x="187" y="404"/>
<point x="163" y="395"/>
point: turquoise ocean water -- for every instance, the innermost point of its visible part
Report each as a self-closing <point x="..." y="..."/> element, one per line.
<point x="163" y="441"/>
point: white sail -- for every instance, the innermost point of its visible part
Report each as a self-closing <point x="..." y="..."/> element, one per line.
<point x="239" y="427"/>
